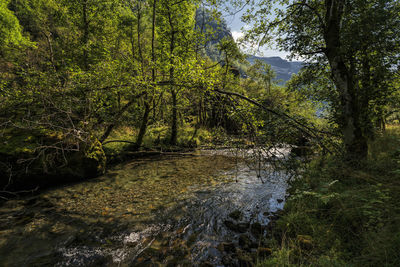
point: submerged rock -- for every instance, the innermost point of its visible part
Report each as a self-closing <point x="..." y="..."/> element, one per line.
<point x="237" y="227"/>
<point x="227" y="247"/>
<point x="236" y="215"/>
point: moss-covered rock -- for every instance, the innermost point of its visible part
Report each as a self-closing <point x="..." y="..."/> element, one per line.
<point x="40" y="158"/>
<point x="88" y="163"/>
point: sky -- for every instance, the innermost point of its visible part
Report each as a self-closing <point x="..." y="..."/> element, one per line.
<point x="236" y="25"/>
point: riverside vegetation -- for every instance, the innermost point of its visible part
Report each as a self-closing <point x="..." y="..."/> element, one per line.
<point x="89" y="83"/>
<point x="339" y="215"/>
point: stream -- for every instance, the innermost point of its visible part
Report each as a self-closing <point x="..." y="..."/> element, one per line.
<point x="160" y="211"/>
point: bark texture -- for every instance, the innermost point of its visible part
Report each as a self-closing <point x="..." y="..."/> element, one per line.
<point x="355" y="141"/>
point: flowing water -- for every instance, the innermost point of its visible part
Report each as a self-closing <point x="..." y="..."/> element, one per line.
<point x="157" y="211"/>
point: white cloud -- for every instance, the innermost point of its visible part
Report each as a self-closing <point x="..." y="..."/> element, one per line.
<point x="236" y="35"/>
<point x="255" y="50"/>
<point x="274" y="53"/>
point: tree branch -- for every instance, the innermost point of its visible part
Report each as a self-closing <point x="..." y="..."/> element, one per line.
<point x="321" y="21"/>
<point x="298" y="125"/>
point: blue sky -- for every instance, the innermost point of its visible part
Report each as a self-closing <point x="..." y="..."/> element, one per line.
<point x="236" y="25"/>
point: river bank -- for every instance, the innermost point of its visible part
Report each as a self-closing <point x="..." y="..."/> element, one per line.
<point x="343" y="215"/>
<point x="25" y="169"/>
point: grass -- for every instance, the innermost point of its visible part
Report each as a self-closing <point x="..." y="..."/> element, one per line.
<point x="122" y="133"/>
<point x="157" y="137"/>
<point x="339" y="215"/>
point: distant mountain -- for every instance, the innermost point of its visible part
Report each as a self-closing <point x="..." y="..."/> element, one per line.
<point x="283" y="68"/>
<point x="216" y="31"/>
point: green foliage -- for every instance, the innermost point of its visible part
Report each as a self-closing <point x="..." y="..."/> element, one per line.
<point x="352" y="55"/>
<point x="349" y="213"/>
<point x="102" y="67"/>
<point x="10" y="29"/>
<point x="189" y="137"/>
<point x="95" y="152"/>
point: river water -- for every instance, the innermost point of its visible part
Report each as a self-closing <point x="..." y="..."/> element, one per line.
<point x="155" y="212"/>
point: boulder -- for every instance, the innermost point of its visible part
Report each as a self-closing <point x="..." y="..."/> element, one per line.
<point x="31" y="167"/>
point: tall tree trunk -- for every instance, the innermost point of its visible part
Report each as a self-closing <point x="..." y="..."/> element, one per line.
<point x="174" y="118"/>
<point x="85" y="37"/>
<point x="139" y="38"/>
<point x="147" y="109"/>
<point x="355" y="141"/>
<point x="153" y="54"/>
<point x="174" y="125"/>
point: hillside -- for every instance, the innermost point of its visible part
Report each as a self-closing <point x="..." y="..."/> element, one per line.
<point x="283" y="68"/>
<point x="219" y="30"/>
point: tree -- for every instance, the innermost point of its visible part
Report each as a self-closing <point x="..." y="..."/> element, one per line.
<point x="357" y="41"/>
<point x="61" y="92"/>
<point x="176" y="31"/>
<point x="10" y="29"/>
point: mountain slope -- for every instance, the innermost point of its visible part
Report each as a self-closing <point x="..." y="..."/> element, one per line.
<point x="216" y="31"/>
<point x="283" y="68"/>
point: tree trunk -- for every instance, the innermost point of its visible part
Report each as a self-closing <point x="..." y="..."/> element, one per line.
<point x="355" y="141"/>
<point x="153" y="54"/>
<point x="139" y="38"/>
<point x="174" y="125"/>
<point x="116" y="119"/>
<point x="143" y="127"/>
<point x="85" y="37"/>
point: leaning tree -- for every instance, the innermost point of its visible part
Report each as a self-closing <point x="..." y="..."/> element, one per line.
<point x="356" y="42"/>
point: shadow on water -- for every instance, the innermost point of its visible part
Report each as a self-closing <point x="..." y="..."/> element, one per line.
<point x="165" y="211"/>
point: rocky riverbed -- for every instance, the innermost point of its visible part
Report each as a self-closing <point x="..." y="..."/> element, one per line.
<point x="209" y="210"/>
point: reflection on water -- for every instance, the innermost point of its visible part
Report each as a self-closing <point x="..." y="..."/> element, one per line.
<point x="164" y="208"/>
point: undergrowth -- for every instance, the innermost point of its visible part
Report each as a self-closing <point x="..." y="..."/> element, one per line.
<point x="157" y="138"/>
<point x="338" y="215"/>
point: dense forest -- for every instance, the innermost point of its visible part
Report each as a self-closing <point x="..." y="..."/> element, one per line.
<point x="77" y="76"/>
<point x="89" y="84"/>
